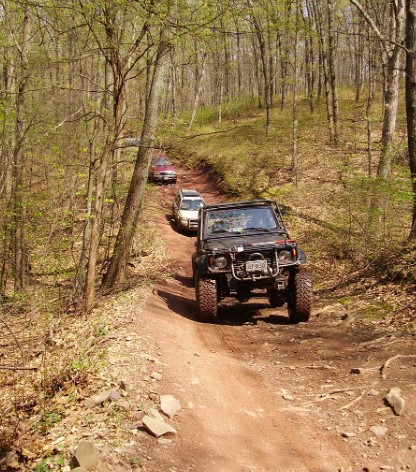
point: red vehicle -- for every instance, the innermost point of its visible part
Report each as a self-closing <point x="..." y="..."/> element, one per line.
<point x="162" y="170"/>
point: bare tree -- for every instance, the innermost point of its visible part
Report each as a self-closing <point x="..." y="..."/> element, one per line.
<point x="332" y="76"/>
<point x="17" y="203"/>
<point x="295" y="98"/>
<point x="411" y="101"/>
<point x="391" y="49"/>
<point x="323" y="52"/>
<point x="200" y="69"/>
<point x="109" y="32"/>
<point x="260" y="35"/>
<point x="117" y="269"/>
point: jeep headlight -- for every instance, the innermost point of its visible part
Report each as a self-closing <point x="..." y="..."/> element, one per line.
<point x="285" y="257"/>
<point x="220" y="262"/>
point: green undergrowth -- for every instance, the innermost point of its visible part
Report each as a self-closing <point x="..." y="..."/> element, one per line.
<point x="342" y="215"/>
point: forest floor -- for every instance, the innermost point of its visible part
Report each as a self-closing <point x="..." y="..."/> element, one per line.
<point x="255" y="392"/>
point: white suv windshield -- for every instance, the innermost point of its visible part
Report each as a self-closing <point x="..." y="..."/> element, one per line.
<point x="192" y="204"/>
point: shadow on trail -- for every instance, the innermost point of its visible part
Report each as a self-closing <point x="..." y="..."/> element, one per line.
<point x="231" y="313"/>
<point x="171" y="221"/>
<point x="177" y="303"/>
<point x="274" y="319"/>
<point x="184" y="280"/>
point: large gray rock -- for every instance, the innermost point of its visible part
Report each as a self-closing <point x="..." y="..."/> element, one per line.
<point x="153" y="413"/>
<point x="155" y="424"/>
<point x="379" y="430"/>
<point x="169" y="405"/>
<point x="156" y="376"/>
<point x="88" y="458"/>
<point x="87" y="455"/>
<point x="100" y="398"/>
<point x="395" y="400"/>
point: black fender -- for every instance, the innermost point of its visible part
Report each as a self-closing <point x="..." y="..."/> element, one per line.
<point x="200" y="264"/>
<point x="302" y="256"/>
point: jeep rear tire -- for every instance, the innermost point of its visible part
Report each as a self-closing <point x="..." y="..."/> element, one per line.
<point x="299" y="301"/>
<point x="206" y="299"/>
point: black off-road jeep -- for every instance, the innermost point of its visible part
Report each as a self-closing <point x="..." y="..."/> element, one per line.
<point x="244" y="246"/>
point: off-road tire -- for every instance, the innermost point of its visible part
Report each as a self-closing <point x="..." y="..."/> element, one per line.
<point x="206" y="299"/>
<point x="299" y="301"/>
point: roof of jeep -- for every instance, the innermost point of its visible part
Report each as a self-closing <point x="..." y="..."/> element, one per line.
<point x="244" y="204"/>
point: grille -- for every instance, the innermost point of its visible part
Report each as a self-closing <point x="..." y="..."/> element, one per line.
<point x="193" y="223"/>
<point x="242" y="257"/>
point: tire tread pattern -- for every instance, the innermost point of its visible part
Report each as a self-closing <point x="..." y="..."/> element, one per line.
<point x="206" y="299"/>
<point x="300" y="298"/>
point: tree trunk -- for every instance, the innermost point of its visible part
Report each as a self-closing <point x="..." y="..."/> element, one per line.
<point x="411" y="101"/>
<point x="199" y="80"/>
<point x="295" y="100"/>
<point x="173" y="87"/>
<point x="309" y="58"/>
<point x="102" y="178"/>
<point x="267" y="82"/>
<point x="370" y="96"/>
<point x="284" y="55"/>
<point x="391" y="54"/>
<point x="117" y="269"/>
<point x="17" y="197"/>
<point x="260" y="92"/>
<point x="332" y="71"/>
<point x="391" y="98"/>
<point x="86" y="238"/>
<point x="221" y="96"/>
<point x="326" y="80"/>
<point x="359" y="60"/>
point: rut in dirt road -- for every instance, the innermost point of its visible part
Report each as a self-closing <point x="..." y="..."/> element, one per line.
<point x="232" y="419"/>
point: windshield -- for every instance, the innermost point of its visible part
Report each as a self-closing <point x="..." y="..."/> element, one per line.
<point x="240" y="220"/>
<point x="192" y="204"/>
<point x="162" y="161"/>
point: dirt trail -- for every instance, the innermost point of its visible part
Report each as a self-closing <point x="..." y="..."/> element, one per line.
<point x="232" y="417"/>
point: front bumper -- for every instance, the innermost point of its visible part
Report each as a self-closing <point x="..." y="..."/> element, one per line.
<point x="248" y="266"/>
<point x="164" y="177"/>
<point x="189" y="224"/>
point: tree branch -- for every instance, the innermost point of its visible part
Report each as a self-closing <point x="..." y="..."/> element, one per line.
<point x="371" y="23"/>
<point x="391" y="359"/>
<point x="5" y="367"/>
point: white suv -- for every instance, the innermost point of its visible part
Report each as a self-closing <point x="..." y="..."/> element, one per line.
<point x="185" y="208"/>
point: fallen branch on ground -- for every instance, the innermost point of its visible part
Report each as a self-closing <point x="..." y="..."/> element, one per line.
<point x="384" y="366"/>
<point x="5" y="367"/>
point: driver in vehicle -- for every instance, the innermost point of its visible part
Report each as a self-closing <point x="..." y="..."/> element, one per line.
<point x="260" y="219"/>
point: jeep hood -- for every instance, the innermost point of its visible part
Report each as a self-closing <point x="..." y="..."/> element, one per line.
<point x="246" y="241"/>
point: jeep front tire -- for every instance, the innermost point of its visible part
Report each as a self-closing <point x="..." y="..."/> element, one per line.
<point x="206" y="299"/>
<point x="299" y="301"/>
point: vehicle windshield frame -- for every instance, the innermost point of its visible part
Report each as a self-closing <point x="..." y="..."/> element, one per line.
<point x="162" y="162"/>
<point x="192" y="204"/>
<point x="229" y="221"/>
